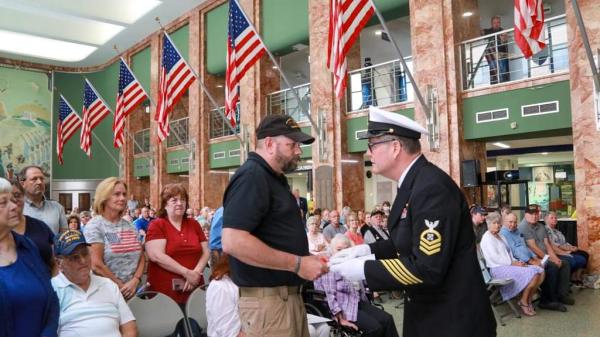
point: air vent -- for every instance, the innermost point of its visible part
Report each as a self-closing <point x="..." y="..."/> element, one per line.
<point x="539" y="109"/>
<point x="219" y="155"/>
<point x="491" y="116"/>
<point x="357" y="132"/>
<point x="174" y="162"/>
<point x="234" y="153"/>
<point x="185" y="161"/>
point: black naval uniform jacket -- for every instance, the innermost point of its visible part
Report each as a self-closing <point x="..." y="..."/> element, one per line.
<point x="432" y="256"/>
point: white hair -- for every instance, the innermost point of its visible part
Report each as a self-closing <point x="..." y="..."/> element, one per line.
<point x="5" y="186"/>
<point x="339" y="238"/>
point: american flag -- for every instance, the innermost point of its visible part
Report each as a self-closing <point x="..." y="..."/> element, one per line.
<point x="94" y="111"/>
<point x="530" y="31"/>
<point x="244" y="48"/>
<point x="346" y="19"/>
<point x="68" y="123"/>
<point x="123" y="242"/>
<point x="130" y="95"/>
<point x="176" y="76"/>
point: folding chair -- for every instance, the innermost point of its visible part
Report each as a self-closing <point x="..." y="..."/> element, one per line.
<point x="493" y="286"/>
<point x="156" y="314"/>
<point x="195" y="308"/>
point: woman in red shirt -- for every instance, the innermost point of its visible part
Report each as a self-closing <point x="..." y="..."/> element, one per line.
<point x="353" y="232"/>
<point x="176" y="246"/>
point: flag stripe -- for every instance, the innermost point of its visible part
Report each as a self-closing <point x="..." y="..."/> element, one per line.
<point x="529" y="26"/>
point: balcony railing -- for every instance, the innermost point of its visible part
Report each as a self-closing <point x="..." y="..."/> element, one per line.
<point x="379" y="85"/>
<point x="142" y="138"/>
<point x="218" y="128"/>
<point x="495" y="58"/>
<point x="178" y="132"/>
<point x="284" y="102"/>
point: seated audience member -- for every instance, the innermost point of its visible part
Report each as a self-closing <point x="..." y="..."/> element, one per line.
<point x="505" y="209"/>
<point x="85" y="217"/>
<point x="334" y="227"/>
<point x="28" y="304"/>
<point x="115" y="249"/>
<point x="222" y="297"/>
<point x="526" y="279"/>
<point x="73" y="222"/>
<point x="90" y="305"/>
<point x="346" y="210"/>
<point x="374" y="231"/>
<point x="151" y="213"/>
<point x="521" y="252"/>
<point x="141" y="223"/>
<point x="176" y="246"/>
<point x="214" y="238"/>
<point x="316" y="241"/>
<point x="205" y="229"/>
<point x="353" y="232"/>
<point x="348" y="303"/>
<point x="536" y="238"/>
<point x="360" y="214"/>
<point x="478" y="214"/>
<point x="34" y="229"/>
<point x="576" y="258"/>
<point x="324" y="218"/>
<point x="385" y="207"/>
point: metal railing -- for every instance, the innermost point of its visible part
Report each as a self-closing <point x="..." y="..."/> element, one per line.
<point x="178" y="132"/>
<point x="218" y="128"/>
<point x="496" y="58"/>
<point x="284" y="102"/>
<point x="379" y="85"/>
<point x="142" y="137"/>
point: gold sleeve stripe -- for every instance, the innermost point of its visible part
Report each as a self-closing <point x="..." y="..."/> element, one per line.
<point x="407" y="272"/>
<point x="395" y="272"/>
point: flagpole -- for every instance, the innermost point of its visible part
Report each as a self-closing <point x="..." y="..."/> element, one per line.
<point x="301" y="104"/>
<point x="406" y="69"/>
<point x="205" y="89"/>
<point x="92" y="131"/>
<point x="109" y="109"/>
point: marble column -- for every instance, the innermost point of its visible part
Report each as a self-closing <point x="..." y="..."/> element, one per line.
<point x="585" y="134"/>
<point x="437" y="27"/>
<point x="195" y="117"/>
<point x="157" y="153"/>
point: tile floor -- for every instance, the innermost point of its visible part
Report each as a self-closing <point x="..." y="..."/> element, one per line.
<point x="581" y="320"/>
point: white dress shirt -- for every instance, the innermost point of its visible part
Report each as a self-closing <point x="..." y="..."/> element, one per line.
<point x="222" y="298"/>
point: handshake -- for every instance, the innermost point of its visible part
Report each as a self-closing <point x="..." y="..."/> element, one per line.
<point x="350" y="262"/>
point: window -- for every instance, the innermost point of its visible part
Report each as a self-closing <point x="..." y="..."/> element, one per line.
<point x="539" y="109"/>
<point x="491" y="115"/>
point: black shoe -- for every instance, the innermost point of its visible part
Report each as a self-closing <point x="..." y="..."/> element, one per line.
<point x="567" y="300"/>
<point x="556" y="306"/>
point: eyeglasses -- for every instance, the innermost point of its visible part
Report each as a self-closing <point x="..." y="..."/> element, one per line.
<point x="292" y="145"/>
<point x="372" y="145"/>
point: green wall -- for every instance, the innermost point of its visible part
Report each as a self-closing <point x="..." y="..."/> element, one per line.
<point x="360" y="124"/>
<point x="178" y="161"/>
<point x="181" y="39"/>
<point x="77" y="165"/>
<point x="284" y="24"/>
<point x="140" y="66"/>
<point x="226" y="161"/>
<point x="513" y="100"/>
<point x="141" y="166"/>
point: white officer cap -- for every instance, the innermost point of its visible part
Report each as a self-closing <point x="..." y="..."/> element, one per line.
<point x="383" y="122"/>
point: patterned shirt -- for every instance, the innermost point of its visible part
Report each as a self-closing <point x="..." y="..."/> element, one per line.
<point x="122" y="249"/>
<point x="342" y="295"/>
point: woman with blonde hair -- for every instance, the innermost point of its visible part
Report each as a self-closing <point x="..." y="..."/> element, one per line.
<point x="115" y="248"/>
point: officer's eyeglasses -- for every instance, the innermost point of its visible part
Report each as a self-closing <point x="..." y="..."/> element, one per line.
<point x="372" y="145"/>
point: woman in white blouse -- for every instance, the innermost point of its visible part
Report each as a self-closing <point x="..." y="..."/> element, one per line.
<point x="316" y="241"/>
<point x="502" y="264"/>
<point x="222" y="298"/>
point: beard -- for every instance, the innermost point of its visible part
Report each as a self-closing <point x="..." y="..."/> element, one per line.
<point x="288" y="165"/>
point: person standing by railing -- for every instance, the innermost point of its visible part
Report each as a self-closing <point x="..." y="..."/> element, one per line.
<point x="496" y="52"/>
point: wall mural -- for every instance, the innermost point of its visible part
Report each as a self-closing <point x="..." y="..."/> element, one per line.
<point x="25" y="121"/>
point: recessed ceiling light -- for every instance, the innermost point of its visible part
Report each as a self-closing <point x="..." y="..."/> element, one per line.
<point x="467" y="14"/>
<point x="219" y="86"/>
<point x="501" y="145"/>
<point x="378" y="32"/>
<point x="274" y="67"/>
<point x="52" y="49"/>
<point x="544" y="153"/>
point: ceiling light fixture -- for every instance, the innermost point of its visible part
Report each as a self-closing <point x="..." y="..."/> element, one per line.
<point x="501" y="145"/>
<point x="52" y="49"/>
<point x="467" y="14"/>
<point x="544" y="153"/>
<point x="378" y="32"/>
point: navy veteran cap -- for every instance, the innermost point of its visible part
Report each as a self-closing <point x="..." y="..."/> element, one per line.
<point x="532" y="208"/>
<point x="65" y="243"/>
<point x="478" y="209"/>
<point x="282" y="125"/>
<point x="383" y="123"/>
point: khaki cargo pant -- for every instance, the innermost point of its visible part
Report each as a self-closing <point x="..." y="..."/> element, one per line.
<point x="272" y="312"/>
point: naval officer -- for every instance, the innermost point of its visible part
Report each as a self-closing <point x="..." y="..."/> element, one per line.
<point x="431" y="254"/>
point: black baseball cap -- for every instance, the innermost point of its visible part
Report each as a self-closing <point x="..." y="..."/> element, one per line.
<point x="532" y="208"/>
<point x="478" y="209"/>
<point x="282" y="125"/>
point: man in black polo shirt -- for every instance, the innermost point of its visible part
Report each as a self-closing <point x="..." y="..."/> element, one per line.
<point x="264" y="235"/>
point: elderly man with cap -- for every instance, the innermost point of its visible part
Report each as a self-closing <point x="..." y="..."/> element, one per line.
<point x="478" y="214"/>
<point x="431" y="253"/>
<point x="264" y="235"/>
<point x="90" y="305"/>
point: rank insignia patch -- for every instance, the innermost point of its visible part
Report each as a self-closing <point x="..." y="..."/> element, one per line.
<point x="431" y="240"/>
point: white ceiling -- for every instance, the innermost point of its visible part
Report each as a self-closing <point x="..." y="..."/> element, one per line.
<point x="80" y="33"/>
<point x="534" y="159"/>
